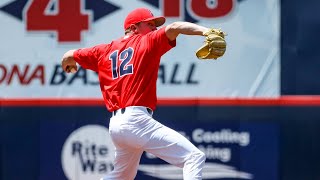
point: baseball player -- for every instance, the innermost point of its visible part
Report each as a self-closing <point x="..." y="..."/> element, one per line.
<point x="128" y="70"/>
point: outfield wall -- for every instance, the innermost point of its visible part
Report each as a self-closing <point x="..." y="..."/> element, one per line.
<point x="258" y="139"/>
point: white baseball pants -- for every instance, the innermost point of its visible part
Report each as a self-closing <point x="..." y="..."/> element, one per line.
<point x="136" y="131"/>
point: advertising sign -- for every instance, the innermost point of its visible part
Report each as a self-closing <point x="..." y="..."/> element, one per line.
<point x="36" y="33"/>
<point x="233" y="151"/>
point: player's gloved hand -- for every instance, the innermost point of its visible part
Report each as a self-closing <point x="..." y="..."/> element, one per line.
<point x="214" y="45"/>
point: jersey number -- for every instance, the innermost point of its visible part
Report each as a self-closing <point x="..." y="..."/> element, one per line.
<point x="124" y="58"/>
<point x="61" y="16"/>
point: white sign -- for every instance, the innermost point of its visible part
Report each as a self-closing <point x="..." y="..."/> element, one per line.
<point x="36" y="33"/>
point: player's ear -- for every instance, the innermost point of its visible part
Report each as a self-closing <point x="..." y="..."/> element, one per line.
<point x="134" y="28"/>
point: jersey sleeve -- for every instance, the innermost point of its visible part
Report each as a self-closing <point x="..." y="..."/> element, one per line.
<point x="159" y="42"/>
<point x="88" y="58"/>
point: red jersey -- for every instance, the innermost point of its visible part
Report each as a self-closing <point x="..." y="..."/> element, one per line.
<point x="127" y="68"/>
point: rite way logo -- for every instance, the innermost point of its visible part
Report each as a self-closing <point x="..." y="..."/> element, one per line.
<point x="69" y="18"/>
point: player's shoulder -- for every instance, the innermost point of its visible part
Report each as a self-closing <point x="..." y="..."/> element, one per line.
<point x="155" y="34"/>
<point x="101" y="47"/>
<point x="119" y="41"/>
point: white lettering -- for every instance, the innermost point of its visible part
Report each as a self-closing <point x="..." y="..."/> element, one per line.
<point x="222" y="136"/>
<point x="222" y="154"/>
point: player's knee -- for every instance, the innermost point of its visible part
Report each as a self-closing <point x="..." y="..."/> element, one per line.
<point x="197" y="157"/>
<point x="201" y="157"/>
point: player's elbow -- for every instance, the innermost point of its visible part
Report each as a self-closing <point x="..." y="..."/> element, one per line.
<point x="68" y="55"/>
<point x="173" y="30"/>
<point x="67" y="58"/>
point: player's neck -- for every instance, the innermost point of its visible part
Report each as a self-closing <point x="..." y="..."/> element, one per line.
<point x="128" y="35"/>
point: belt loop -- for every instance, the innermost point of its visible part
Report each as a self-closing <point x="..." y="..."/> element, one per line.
<point x="122" y="111"/>
<point x="149" y="111"/>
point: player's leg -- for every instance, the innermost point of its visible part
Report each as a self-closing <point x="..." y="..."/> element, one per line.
<point x="127" y="155"/>
<point x="125" y="164"/>
<point x="174" y="148"/>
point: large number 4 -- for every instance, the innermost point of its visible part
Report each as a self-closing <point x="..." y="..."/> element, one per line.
<point x="66" y="20"/>
<point x="125" y="67"/>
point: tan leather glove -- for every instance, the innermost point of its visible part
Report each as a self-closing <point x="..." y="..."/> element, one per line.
<point x="214" y="45"/>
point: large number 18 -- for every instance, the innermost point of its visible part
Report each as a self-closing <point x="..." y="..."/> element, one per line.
<point x="125" y="67"/>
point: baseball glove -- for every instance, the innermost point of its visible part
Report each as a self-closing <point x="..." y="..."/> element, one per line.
<point x="214" y="45"/>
